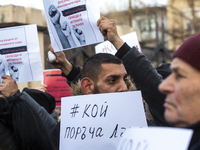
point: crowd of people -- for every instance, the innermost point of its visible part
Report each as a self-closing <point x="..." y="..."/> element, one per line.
<point x="171" y="92"/>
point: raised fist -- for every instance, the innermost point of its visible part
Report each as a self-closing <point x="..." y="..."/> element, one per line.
<point x="66" y="28"/>
<point x="14" y="72"/>
<point x="2" y="69"/>
<point x="54" y="15"/>
<point x="79" y="35"/>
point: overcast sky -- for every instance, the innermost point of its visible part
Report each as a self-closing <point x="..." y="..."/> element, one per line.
<point x="104" y="5"/>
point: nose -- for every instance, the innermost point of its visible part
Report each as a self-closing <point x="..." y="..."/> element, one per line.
<point x="166" y="86"/>
<point x="122" y="87"/>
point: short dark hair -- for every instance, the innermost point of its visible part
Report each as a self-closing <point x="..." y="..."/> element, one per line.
<point x="92" y="67"/>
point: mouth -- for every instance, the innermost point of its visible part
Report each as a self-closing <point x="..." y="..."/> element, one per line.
<point x="168" y="104"/>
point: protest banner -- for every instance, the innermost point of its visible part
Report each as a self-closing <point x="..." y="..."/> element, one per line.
<point x="56" y="85"/>
<point x="107" y="47"/>
<point x="20" y="53"/>
<point x="72" y="23"/>
<point x="155" y="138"/>
<point x="97" y="121"/>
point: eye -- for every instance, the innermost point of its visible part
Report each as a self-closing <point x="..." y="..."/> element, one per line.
<point x="111" y="80"/>
<point x="179" y="76"/>
<point x="126" y="79"/>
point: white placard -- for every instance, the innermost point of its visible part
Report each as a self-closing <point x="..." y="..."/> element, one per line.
<point x="107" y="47"/>
<point x="97" y="121"/>
<point x="155" y="138"/>
<point x="20" y="53"/>
<point x="72" y="23"/>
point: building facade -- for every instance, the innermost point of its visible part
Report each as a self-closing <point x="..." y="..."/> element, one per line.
<point x="183" y="20"/>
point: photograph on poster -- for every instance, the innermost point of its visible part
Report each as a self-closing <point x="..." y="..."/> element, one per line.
<point x="72" y="23"/>
<point x="19" y="51"/>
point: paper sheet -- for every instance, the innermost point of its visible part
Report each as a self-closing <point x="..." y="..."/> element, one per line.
<point x="72" y="23"/>
<point x="107" y="47"/>
<point x="156" y="138"/>
<point x="56" y="85"/>
<point x="20" y="54"/>
<point x="97" y="121"/>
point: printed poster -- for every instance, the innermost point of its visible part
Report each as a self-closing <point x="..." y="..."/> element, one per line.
<point x="98" y="121"/>
<point x="20" y="53"/>
<point x="107" y="47"/>
<point x="56" y="85"/>
<point x="72" y="23"/>
<point x="156" y="138"/>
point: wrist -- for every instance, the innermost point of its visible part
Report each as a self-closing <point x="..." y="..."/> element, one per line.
<point x="66" y="68"/>
<point x="69" y="37"/>
<point x="82" y="42"/>
<point x="118" y="43"/>
<point x="57" y="25"/>
<point x="12" y="94"/>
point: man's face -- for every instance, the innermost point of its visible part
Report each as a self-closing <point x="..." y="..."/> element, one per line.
<point x="182" y="88"/>
<point x="111" y="79"/>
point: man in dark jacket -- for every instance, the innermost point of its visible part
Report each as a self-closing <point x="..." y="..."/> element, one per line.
<point x="137" y="66"/>
<point x="181" y="106"/>
<point x="101" y="73"/>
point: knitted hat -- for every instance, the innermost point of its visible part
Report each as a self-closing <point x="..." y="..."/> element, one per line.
<point x="189" y="51"/>
<point x="43" y="99"/>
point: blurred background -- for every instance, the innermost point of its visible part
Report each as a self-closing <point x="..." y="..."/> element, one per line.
<point x="161" y="25"/>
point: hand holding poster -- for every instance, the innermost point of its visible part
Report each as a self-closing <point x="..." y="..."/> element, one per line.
<point x="107" y="47"/>
<point x="97" y="121"/>
<point x="72" y="23"/>
<point x="155" y="138"/>
<point x="20" y="53"/>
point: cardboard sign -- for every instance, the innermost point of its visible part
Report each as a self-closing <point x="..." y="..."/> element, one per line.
<point x="72" y="23"/>
<point x="97" y="121"/>
<point x="156" y="138"/>
<point x="20" y="53"/>
<point x="56" y="85"/>
<point x="107" y="47"/>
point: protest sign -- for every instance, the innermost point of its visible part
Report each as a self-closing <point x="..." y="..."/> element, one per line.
<point x="155" y="138"/>
<point x="20" y="53"/>
<point x="72" y="23"/>
<point x="56" y="85"/>
<point x="97" y="121"/>
<point x="107" y="47"/>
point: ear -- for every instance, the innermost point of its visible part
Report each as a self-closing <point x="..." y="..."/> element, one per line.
<point x="87" y="85"/>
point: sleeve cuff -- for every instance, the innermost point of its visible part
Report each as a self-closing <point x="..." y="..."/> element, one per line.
<point x="73" y="73"/>
<point x="14" y="95"/>
<point x="123" y="50"/>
